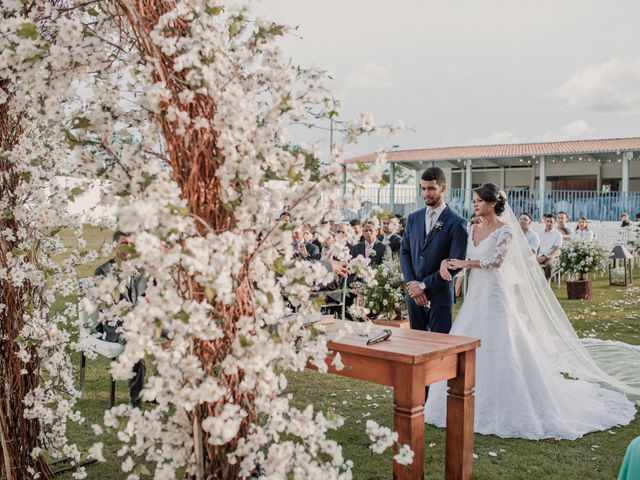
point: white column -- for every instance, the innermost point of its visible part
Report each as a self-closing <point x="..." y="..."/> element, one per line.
<point x="392" y="188"/>
<point x="419" y="202"/>
<point x="467" y="185"/>
<point x="542" y="185"/>
<point x="626" y="156"/>
<point x="503" y="179"/>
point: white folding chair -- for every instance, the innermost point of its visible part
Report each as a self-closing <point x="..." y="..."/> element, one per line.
<point x="89" y="342"/>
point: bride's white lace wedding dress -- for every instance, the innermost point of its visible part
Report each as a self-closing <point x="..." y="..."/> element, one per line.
<point x="522" y="387"/>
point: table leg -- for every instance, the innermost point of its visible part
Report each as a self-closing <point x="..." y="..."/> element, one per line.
<point x="460" y="403"/>
<point x="408" y="418"/>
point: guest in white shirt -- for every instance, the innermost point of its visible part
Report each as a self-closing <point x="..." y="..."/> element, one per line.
<point x="563" y="219"/>
<point x="532" y="237"/>
<point x="582" y="232"/>
<point x="550" y="244"/>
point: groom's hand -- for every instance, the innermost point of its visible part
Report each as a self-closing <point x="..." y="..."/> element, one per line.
<point x="422" y="300"/>
<point x="415" y="289"/>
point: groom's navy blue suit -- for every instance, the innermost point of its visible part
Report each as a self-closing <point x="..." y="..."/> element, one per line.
<point x="420" y="260"/>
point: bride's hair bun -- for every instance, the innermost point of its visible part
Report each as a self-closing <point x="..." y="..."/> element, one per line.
<point x="491" y="193"/>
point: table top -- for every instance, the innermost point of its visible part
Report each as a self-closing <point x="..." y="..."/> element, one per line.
<point x="405" y="346"/>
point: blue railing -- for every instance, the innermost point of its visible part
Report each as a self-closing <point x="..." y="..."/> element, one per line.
<point x="594" y="205"/>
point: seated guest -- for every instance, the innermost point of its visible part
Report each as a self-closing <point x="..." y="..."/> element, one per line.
<point x="624" y="219"/>
<point x="135" y="289"/>
<point x="583" y="232"/>
<point x="550" y="244"/>
<point x="532" y="237"/>
<point x="325" y="254"/>
<point x="371" y="247"/>
<point x="302" y="249"/>
<point x="309" y="237"/>
<point x="401" y="222"/>
<point x="356" y="225"/>
<point x="638" y="218"/>
<point x="562" y="227"/>
<point x="388" y="234"/>
<point x="342" y="231"/>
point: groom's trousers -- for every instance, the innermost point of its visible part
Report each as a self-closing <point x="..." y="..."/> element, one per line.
<point x="434" y="319"/>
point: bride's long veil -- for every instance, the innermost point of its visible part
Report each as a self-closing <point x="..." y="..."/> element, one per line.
<point x="612" y="364"/>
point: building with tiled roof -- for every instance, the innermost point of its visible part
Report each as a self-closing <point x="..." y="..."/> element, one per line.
<point x="610" y="166"/>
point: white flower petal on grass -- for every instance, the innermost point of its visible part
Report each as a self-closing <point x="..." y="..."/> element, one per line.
<point x="95" y="452"/>
<point x="128" y="465"/>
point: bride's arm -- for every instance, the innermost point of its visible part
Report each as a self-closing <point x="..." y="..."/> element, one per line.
<point x="456" y="264"/>
<point x="490" y="261"/>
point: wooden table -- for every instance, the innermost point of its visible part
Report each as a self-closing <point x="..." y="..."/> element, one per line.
<point x="409" y="361"/>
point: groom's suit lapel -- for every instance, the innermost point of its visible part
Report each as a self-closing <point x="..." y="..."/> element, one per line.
<point x="421" y="226"/>
<point x="434" y="231"/>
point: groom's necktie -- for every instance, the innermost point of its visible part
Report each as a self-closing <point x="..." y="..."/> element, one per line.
<point x="432" y="216"/>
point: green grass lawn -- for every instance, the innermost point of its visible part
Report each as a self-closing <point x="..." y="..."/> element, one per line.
<point x="614" y="313"/>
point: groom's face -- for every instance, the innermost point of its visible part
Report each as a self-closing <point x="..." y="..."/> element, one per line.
<point x="432" y="192"/>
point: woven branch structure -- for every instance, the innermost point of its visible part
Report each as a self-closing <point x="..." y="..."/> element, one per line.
<point x="194" y="158"/>
<point x="18" y="435"/>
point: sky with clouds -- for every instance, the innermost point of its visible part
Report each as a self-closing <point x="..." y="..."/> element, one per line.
<point x="465" y="72"/>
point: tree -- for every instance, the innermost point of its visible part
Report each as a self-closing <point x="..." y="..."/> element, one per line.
<point x="223" y="318"/>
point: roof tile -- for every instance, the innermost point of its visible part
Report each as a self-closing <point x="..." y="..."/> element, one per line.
<point x="508" y="150"/>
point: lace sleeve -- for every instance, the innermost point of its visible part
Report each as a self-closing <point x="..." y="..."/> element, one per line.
<point x="495" y="259"/>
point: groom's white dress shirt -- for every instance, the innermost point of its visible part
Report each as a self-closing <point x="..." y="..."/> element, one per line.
<point x="433" y="220"/>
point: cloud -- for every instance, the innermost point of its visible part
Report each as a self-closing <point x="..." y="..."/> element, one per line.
<point x="571" y="131"/>
<point x="611" y="86"/>
<point x="497" y="138"/>
<point x="370" y="76"/>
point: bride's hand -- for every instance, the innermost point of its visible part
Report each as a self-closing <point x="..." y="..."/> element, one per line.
<point x="455" y="264"/>
<point x="444" y="270"/>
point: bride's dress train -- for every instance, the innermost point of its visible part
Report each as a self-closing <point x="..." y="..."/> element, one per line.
<point x="521" y="388"/>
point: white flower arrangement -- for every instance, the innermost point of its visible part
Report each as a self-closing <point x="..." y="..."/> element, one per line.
<point x="579" y="258"/>
<point x="385" y="296"/>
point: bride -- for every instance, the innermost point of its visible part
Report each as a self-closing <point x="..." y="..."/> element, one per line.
<point x="534" y="377"/>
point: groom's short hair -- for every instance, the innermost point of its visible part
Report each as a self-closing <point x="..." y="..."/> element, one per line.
<point x="434" y="173"/>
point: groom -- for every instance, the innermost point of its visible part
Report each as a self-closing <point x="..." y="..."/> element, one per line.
<point x="431" y="235"/>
